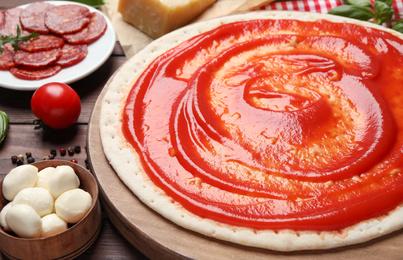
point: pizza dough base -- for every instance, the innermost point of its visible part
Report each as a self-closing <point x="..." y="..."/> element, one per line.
<point x="125" y="161"/>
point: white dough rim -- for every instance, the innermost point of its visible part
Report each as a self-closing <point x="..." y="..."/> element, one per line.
<point x="125" y="161"/>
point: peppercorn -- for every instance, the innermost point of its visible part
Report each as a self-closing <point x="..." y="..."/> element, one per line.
<point x="20" y="157"/>
<point x="14" y="159"/>
<point x="51" y="156"/>
<point x="77" y="149"/>
<point x="73" y="160"/>
<point x="53" y="152"/>
<point x="28" y="154"/>
<point x="46" y="158"/>
<point x="70" y="150"/>
<point x="87" y="165"/>
<point x="19" y="162"/>
<point x="62" y="151"/>
<point x="30" y="159"/>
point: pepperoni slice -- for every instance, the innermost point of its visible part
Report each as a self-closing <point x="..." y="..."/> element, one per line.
<point x="36" y="59"/>
<point x="30" y="73"/>
<point x="68" y="18"/>
<point x="11" y="20"/>
<point x="42" y="43"/>
<point x="33" y="17"/>
<point x="72" y="54"/>
<point x="94" y="30"/>
<point x="6" y="59"/>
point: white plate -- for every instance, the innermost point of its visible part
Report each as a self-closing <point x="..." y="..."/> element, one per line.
<point x="98" y="53"/>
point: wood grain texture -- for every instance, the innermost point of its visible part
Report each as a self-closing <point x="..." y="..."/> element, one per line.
<point x="22" y="138"/>
<point x="159" y="238"/>
<point x="111" y="244"/>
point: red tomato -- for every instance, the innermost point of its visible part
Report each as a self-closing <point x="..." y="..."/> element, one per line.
<point x="56" y="104"/>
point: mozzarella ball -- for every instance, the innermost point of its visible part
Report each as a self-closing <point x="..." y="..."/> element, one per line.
<point x="39" y="199"/>
<point x="52" y="224"/>
<point x="62" y="179"/>
<point x="19" y="178"/>
<point x="43" y="177"/>
<point x="24" y="221"/>
<point x="72" y="205"/>
<point x="3" y="213"/>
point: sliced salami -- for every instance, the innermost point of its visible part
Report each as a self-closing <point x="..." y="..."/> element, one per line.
<point x="30" y="73"/>
<point x="2" y="19"/>
<point x="36" y="59"/>
<point x="72" y="54"/>
<point x="6" y="59"/>
<point x="42" y="43"/>
<point x="65" y="31"/>
<point x="67" y="18"/>
<point x="92" y="32"/>
<point x="9" y="46"/>
<point x="11" y="20"/>
<point x="33" y="17"/>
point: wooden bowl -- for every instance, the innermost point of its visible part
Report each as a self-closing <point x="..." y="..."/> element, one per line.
<point x="66" y="245"/>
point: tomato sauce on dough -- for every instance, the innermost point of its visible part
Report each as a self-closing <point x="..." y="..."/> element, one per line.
<point x="275" y="124"/>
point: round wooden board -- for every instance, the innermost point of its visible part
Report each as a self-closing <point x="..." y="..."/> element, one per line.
<point x="158" y="238"/>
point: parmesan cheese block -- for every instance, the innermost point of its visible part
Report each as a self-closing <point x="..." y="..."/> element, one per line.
<point x="158" y="17"/>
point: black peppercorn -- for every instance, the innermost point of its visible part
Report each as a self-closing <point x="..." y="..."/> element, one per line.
<point x="19" y="162"/>
<point x="53" y="152"/>
<point x="87" y="165"/>
<point x="30" y="159"/>
<point x="14" y="159"/>
<point x="77" y="149"/>
<point x="70" y="151"/>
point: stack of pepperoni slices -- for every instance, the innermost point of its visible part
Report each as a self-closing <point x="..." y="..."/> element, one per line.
<point x="65" y="32"/>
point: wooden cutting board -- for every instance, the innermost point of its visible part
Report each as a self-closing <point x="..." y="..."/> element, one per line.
<point x="158" y="238"/>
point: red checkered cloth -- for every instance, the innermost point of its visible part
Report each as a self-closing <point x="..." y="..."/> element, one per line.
<point x="318" y="6"/>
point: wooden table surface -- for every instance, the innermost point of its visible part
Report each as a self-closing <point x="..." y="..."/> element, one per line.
<point x="22" y="137"/>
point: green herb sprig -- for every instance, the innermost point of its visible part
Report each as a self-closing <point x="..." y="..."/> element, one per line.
<point x="93" y="3"/>
<point x="379" y="12"/>
<point x="14" y="40"/>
